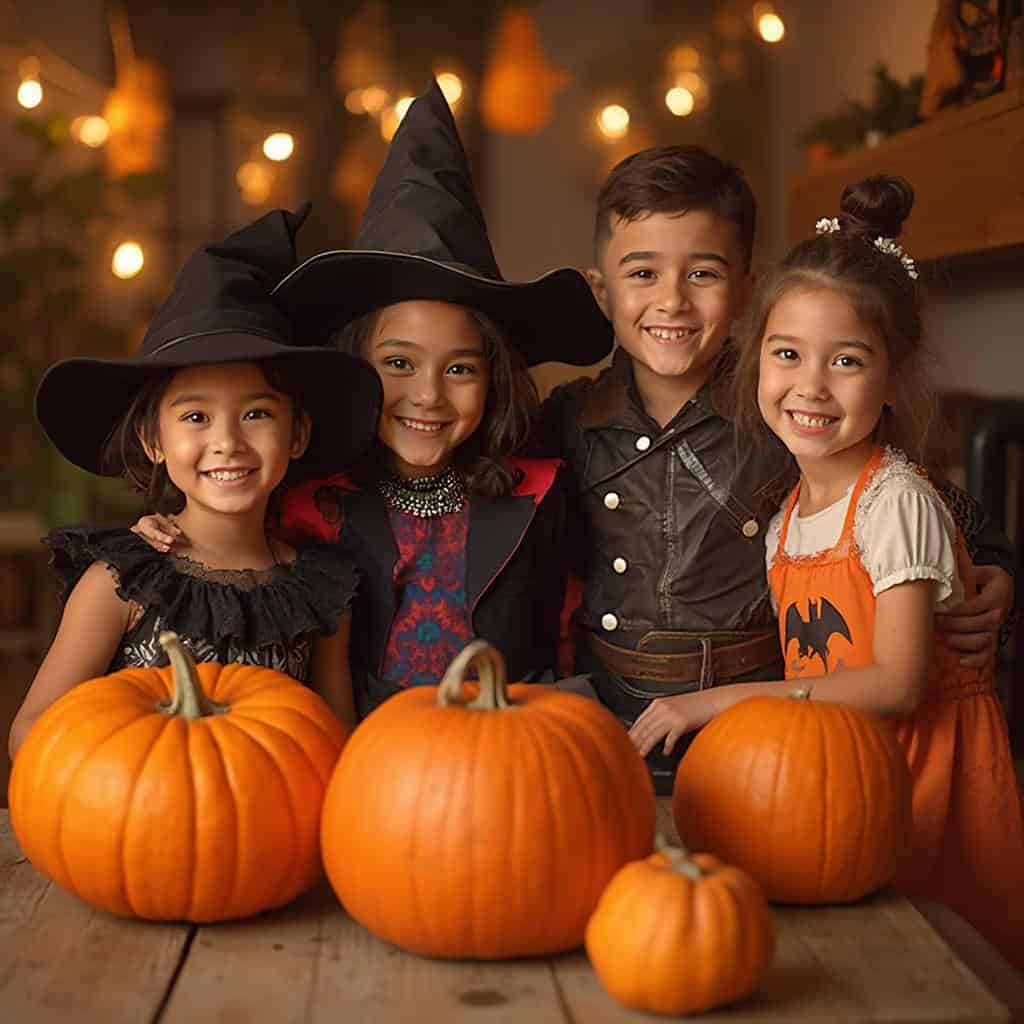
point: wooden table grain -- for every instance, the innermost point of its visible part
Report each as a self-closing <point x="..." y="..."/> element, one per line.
<point x="879" y="960"/>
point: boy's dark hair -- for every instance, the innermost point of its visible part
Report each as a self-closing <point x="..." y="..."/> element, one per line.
<point x="881" y="292"/>
<point x="509" y="415"/>
<point x="674" y="179"/>
<point x="125" y="453"/>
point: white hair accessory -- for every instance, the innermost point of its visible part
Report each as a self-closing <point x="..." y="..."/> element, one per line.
<point x="830" y="225"/>
<point x="893" y="248"/>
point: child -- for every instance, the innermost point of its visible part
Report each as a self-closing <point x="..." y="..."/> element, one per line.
<point x="836" y="365"/>
<point x="670" y="512"/>
<point x="455" y="532"/>
<point x="208" y="417"/>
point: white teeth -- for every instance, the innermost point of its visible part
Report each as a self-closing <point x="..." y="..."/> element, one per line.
<point x="812" y="421"/>
<point x="425" y="428"/>
<point x="228" y="474"/>
<point x="670" y="334"/>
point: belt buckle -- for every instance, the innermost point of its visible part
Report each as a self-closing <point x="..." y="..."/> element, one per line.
<point x="707" y="665"/>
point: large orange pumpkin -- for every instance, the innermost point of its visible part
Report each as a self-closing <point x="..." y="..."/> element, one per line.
<point x="680" y="934"/>
<point x="142" y="797"/>
<point x="811" y="798"/>
<point x="484" y="829"/>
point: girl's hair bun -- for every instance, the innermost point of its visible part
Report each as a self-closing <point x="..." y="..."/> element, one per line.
<point x="876" y="206"/>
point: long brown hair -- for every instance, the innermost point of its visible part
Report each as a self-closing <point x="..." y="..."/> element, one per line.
<point x="510" y="409"/>
<point x="139" y="428"/>
<point x="883" y="295"/>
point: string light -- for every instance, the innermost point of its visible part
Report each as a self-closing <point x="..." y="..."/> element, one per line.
<point x="389" y="120"/>
<point x="451" y="86"/>
<point x="354" y="101"/>
<point x="374" y="99"/>
<point x="30" y="93"/>
<point x="278" y="146"/>
<point x="92" y="131"/>
<point x="680" y="101"/>
<point x="402" y="106"/>
<point x="128" y="260"/>
<point x="684" y="58"/>
<point x="613" y="121"/>
<point x="255" y="181"/>
<point x="770" y="26"/>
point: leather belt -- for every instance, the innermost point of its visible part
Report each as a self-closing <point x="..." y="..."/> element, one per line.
<point x="707" y="666"/>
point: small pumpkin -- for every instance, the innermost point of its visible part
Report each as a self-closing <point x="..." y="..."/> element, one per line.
<point x="813" y="799"/>
<point x="142" y="796"/>
<point x="485" y="828"/>
<point x="680" y="934"/>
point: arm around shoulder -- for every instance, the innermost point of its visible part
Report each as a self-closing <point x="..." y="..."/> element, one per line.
<point x="93" y="623"/>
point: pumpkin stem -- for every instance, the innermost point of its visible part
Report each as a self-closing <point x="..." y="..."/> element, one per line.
<point x="490" y="663"/>
<point x="803" y="693"/>
<point x="679" y="858"/>
<point x="188" y="701"/>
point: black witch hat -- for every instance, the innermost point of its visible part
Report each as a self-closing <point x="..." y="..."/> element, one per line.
<point x="219" y="311"/>
<point x="423" y="237"/>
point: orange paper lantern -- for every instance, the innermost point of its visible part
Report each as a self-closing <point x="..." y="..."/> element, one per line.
<point x="519" y="86"/>
<point x="137" y="112"/>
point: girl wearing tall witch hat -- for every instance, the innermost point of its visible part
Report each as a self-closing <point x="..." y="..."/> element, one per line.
<point x="457" y="534"/>
<point x="216" y="408"/>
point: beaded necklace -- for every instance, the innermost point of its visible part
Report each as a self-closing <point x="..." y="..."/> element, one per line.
<point x="424" y="496"/>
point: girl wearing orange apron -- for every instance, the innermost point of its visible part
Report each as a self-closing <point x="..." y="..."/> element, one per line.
<point x="967" y="845"/>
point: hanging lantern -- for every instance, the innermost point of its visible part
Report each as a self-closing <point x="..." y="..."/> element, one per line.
<point x="136" y="112"/>
<point x="519" y="86"/>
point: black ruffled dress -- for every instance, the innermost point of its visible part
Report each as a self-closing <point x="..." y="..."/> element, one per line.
<point x="264" y="617"/>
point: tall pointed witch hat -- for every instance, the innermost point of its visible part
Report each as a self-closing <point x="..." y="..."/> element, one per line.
<point x="423" y="237"/>
<point x="219" y="311"/>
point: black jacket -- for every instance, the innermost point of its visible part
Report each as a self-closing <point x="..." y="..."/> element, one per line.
<point x="516" y="567"/>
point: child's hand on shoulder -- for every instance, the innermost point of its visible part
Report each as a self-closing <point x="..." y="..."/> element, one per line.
<point x="669" y="718"/>
<point x="161" y="532"/>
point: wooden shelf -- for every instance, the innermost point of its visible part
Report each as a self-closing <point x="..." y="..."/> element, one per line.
<point x="967" y="169"/>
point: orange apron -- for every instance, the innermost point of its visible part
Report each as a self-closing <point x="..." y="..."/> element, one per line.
<point x="967" y="844"/>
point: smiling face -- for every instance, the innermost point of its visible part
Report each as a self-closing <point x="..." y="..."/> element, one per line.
<point x="226" y="437"/>
<point x="431" y="362"/>
<point x="823" y="378"/>
<point x="672" y="284"/>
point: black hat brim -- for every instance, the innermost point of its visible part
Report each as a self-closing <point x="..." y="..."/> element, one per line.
<point x="80" y="401"/>
<point x="551" y="319"/>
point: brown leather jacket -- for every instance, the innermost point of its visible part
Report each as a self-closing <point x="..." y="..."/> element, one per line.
<point x="667" y="525"/>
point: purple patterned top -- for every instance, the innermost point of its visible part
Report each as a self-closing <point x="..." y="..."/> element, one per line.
<point x="432" y="623"/>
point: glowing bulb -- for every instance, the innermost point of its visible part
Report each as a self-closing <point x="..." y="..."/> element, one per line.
<point x="680" y="101"/>
<point x="374" y="99"/>
<point x="30" y="93"/>
<point x="451" y="86"/>
<point x="684" y="58"/>
<point x="128" y="260"/>
<point x="771" y="28"/>
<point x="402" y="106"/>
<point x="278" y="146"/>
<point x="255" y="180"/>
<point x="613" y="121"/>
<point x="90" y="131"/>
<point x="389" y="123"/>
<point x="354" y="102"/>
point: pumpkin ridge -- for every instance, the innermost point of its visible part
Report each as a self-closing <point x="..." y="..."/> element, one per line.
<point x="308" y="721"/>
<point x="234" y="859"/>
<point x="190" y="864"/>
<point x="293" y="849"/>
<point x="158" y="733"/>
<point x="569" y="743"/>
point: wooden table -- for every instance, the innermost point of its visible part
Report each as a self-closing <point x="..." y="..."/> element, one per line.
<point x="60" y="961"/>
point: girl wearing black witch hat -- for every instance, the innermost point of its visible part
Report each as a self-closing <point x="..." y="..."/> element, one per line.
<point x="216" y="409"/>
<point x="456" y="532"/>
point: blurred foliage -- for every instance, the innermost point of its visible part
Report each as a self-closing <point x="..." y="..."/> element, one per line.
<point x="53" y="220"/>
<point x="893" y="108"/>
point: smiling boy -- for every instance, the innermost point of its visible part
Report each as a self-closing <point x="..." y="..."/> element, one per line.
<point x="670" y="509"/>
